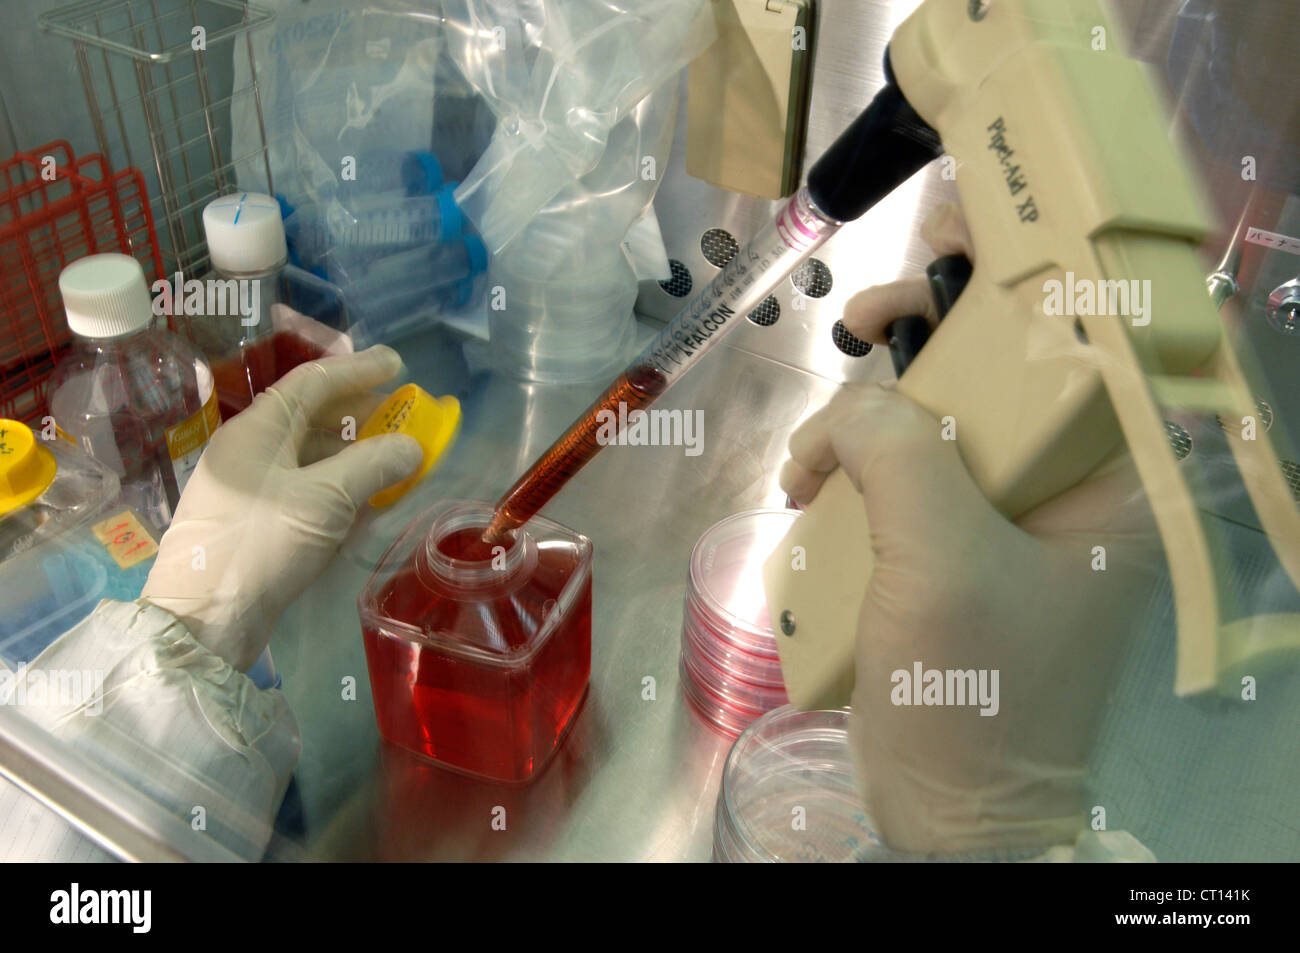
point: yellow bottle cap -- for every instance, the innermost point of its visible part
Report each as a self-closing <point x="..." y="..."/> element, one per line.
<point x="26" y="468"/>
<point x="433" y="421"/>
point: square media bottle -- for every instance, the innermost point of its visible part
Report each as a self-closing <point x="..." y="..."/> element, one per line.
<point x="479" y="656"/>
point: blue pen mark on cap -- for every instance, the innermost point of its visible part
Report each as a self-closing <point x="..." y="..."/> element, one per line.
<point x="239" y="205"/>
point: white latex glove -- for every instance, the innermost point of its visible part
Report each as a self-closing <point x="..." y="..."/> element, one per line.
<point x="255" y="526"/>
<point x="956" y="585"/>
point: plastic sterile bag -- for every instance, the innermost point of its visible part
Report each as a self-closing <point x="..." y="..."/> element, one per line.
<point x="565" y="286"/>
<point x="559" y="76"/>
<point x="369" y="124"/>
<point x="67" y="540"/>
<point x="586" y="94"/>
<point x="349" y="91"/>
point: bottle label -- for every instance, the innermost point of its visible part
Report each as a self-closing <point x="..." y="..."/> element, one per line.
<point x="186" y="440"/>
<point x="126" y="539"/>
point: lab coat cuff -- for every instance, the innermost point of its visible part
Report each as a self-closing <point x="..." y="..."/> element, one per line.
<point x="173" y="719"/>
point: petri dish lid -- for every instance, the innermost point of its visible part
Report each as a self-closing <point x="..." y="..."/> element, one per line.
<point x="718" y="715"/>
<point x="726" y="702"/>
<point x="787" y="759"/>
<point x="736" y="691"/>
<point x="726" y="575"/>
<point x="759" y="670"/>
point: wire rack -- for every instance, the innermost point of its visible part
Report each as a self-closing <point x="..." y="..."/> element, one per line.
<point x="161" y="86"/>
<point x="54" y="209"/>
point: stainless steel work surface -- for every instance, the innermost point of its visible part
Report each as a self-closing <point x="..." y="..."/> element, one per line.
<point x="638" y="775"/>
<point x="637" y="778"/>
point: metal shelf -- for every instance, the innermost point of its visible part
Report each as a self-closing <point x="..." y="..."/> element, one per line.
<point x="147" y="46"/>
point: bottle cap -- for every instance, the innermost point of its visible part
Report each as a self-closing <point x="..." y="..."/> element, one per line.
<point x="245" y="233"/>
<point x="105" y="296"/>
<point x="26" y="468"/>
<point x="477" y="252"/>
<point x="433" y="421"/>
<point x="421" y="172"/>
<point x="449" y="213"/>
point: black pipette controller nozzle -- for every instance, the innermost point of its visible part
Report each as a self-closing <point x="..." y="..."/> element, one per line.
<point x="879" y="151"/>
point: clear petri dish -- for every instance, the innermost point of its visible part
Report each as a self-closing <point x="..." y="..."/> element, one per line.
<point x="719" y="715"/>
<point x="789" y="795"/>
<point x="731" y="669"/>
<point x="726" y="703"/>
<point x="758" y="669"/>
<point x="726" y="575"/>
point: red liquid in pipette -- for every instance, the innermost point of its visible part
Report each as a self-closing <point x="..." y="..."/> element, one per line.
<point x="635" y="388"/>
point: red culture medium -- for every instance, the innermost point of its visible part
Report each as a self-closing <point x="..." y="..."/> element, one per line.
<point x="479" y="654"/>
<point x="260" y="365"/>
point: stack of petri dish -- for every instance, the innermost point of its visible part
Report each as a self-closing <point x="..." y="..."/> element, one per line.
<point x="731" y="672"/>
<point x="562" y="322"/>
<point x="788" y="794"/>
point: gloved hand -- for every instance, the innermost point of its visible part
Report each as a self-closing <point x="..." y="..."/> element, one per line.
<point x="958" y="586"/>
<point x="255" y="525"/>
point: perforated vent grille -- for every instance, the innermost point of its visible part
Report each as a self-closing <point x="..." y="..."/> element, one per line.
<point x="1179" y="439"/>
<point x="846" y="342"/>
<point x="1263" y="415"/>
<point x="1292" y="473"/>
<point x="679" y="285"/>
<point x="812" y="278"/>
<point x="767" y="313"/>
<point x="718" y="246"/>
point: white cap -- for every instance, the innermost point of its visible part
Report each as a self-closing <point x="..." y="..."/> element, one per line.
<point x="245" y="233"/>
<point x="105" y="296"/>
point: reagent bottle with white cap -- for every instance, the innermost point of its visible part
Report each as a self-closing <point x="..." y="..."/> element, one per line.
<point x="137" y="397"/>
